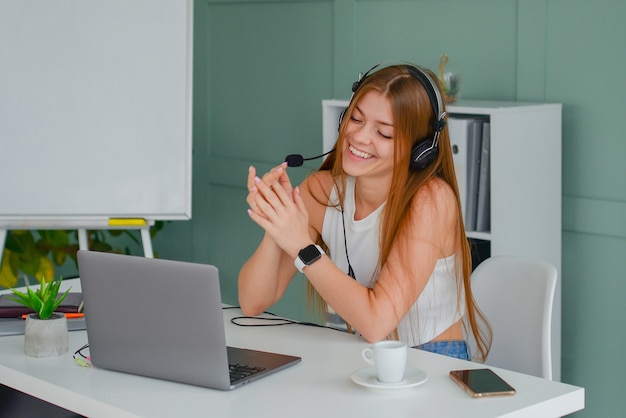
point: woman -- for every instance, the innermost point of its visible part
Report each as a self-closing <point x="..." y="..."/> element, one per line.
<point x="385" y="205"/>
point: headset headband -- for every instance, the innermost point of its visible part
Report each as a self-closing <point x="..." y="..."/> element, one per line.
<point x="429" y="85"/>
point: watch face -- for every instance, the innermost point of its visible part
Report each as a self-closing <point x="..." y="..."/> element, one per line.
<point x="309" y="254"/>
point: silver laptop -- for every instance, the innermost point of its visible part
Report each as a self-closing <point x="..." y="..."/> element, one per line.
<point x="164" y="319"/>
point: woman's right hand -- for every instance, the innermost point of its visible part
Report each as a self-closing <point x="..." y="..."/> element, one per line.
<point x="277" y="173"/>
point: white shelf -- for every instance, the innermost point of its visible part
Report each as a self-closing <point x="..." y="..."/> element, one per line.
<point x="525" y="160"/>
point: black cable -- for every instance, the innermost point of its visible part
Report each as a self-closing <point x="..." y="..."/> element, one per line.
<point x="80" y="351"/>
<point x="83" y="360"/>
<point x="276" y="322"/>
<point x="273" y="322"/>
<point x="345" y="244"/>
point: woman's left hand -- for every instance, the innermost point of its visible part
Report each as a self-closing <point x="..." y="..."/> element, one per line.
<point x="281" y="214"/>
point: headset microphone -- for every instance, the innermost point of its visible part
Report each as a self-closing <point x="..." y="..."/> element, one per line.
<point x="296" y="160"/>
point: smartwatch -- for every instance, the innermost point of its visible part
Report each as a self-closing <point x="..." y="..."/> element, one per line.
<point x="308" y="256"/>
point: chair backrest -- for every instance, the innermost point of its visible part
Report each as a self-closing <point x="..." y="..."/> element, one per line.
<point x="516" y="295"/>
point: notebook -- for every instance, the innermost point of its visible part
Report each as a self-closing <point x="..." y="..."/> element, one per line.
<point x="164" y="319"/>
<point x="9" y="308"/>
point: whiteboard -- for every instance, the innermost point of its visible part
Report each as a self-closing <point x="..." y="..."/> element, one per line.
<point x="95" y="109"/>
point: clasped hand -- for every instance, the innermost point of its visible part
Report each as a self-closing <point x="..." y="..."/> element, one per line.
<point x="277" y="207"/>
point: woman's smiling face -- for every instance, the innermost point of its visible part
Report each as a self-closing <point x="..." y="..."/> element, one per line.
<point x="369" y="144"/>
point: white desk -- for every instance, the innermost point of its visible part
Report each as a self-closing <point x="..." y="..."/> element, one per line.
<point x="320" y="386"/>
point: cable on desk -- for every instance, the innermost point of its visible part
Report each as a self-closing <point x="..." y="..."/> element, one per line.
<point x="81" y="359"/>
<point x="259" y="321"/>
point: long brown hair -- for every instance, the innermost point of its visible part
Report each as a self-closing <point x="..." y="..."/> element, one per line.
<point x="413" y="121"/>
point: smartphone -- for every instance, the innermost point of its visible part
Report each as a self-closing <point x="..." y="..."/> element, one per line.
<point x="481" y="382"/>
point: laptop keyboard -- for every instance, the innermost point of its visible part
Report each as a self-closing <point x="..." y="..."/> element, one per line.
<point x="241" y="371"/>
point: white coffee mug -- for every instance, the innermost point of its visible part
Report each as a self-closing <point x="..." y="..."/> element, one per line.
<point x="388" y="359"/>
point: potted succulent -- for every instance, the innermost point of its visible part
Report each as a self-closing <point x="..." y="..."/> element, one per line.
<point x="45" y="332"/>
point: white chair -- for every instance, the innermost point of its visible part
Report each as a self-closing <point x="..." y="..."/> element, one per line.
<point x="516" y="295"/>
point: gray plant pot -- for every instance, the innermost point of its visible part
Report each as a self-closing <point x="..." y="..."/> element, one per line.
<point x="46" y="337"/>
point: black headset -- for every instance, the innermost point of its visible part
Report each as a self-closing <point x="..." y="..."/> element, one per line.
<point x="424" y="151"/>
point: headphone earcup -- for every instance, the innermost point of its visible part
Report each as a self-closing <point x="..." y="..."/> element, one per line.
<point x="423" y="154"/>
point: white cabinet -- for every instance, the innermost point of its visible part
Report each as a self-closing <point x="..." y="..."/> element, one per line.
<point x="525" y="182"/>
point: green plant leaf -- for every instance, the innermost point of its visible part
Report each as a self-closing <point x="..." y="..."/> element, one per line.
<point x="8" y="276"/>
<point x="21" y="298"/>
<point x="43" y="289"/>
<point x="101" y="246"/>
<point x="19" y="241"/>
<point x="35" y="301"/>
<point x="46" y="269"/>
<point x="46" y="308"/>
<point x="53" y="288"/>
<point x="14" y="262"/>
<point x="59" y="300"/>
<point x="57" y="238"/>
<point x="59" y="257"/>
<point x="28" y="262"/>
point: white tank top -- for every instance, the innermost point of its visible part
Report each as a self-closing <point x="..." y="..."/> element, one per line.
<point x="438" y="306"/>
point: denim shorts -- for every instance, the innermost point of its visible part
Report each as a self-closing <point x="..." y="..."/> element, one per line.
<point x="457" y="349"/>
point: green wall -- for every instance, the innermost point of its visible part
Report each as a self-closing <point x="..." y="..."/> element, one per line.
<point x="262" y="69"/>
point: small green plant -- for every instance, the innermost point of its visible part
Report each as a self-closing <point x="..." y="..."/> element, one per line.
<point x="43" y="301"/>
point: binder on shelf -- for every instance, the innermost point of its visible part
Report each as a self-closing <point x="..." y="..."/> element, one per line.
<point x="483" y="210"/>
<point x="458" y="130"/>
<point x="474" y="148"/>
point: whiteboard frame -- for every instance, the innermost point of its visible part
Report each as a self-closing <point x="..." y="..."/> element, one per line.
<point x="52" y="219"/>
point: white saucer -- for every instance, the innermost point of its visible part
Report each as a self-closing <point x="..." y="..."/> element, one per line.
<point x="367" y="377"/>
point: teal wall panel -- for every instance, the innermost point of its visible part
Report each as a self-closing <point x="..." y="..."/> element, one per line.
<point x="585" y="71"/>
<point x="478" y="36"/>
<point x="531" y="50"/>
<point x="270" y="64"/>
<point x="262" y="69"/>
<point x="593" y="320"/>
